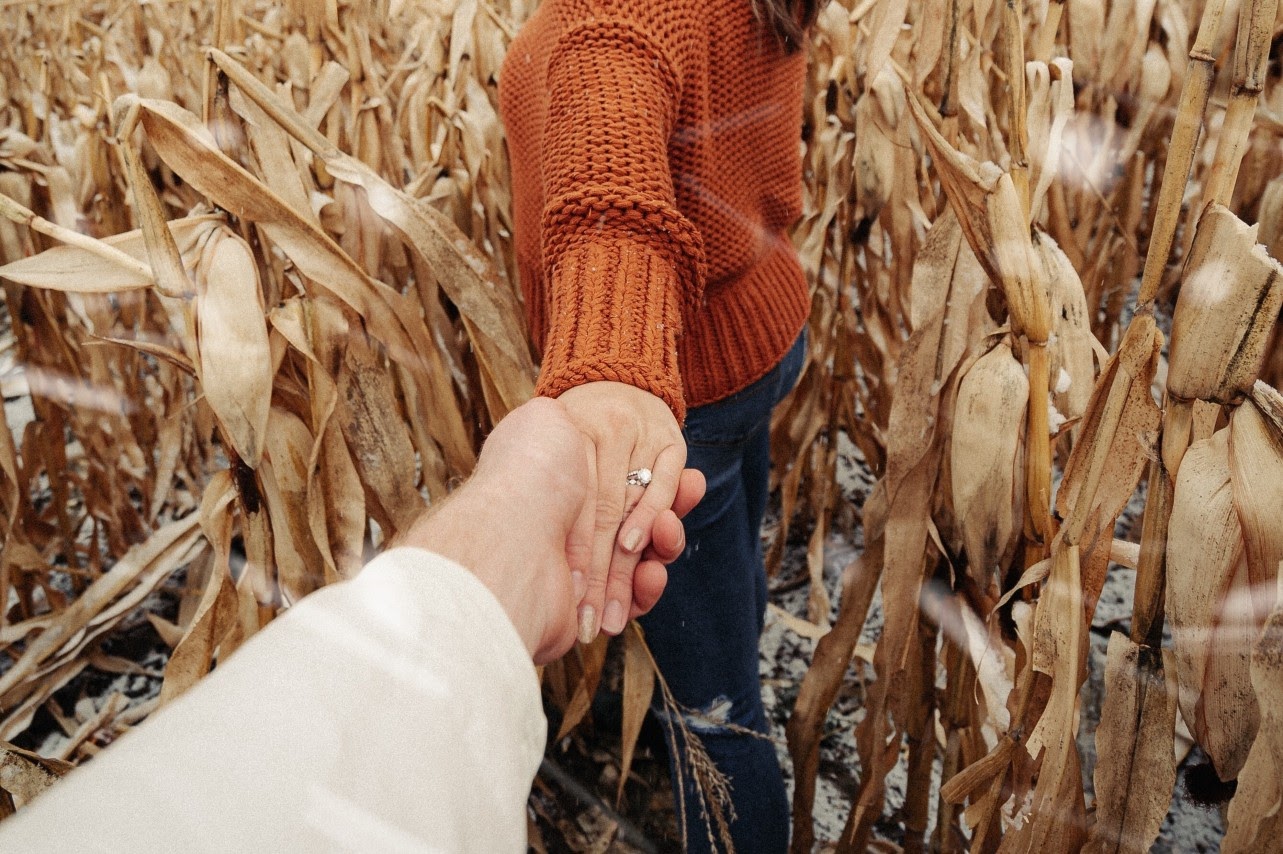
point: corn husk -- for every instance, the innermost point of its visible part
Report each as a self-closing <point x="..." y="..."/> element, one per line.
<point x="1256" y="466"/>
<point x="235" y="364"/>
<point x="1210" y="607"/>
<point x="1271" y="218"/>
<point x="1229" y="303"/>
<point x="988" y="424"/>
<point x="1255" y="815"/>
<point x="1076" y="355"/>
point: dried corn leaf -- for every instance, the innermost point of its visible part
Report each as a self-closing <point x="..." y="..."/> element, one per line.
<point x="823" y="678"/>
<point x="335" y="495"/>
<point x="639" y="685"/>
<point x="874" y="151"/>
<point x="27" y="774"/>
<point x="992" y="218"/>
<point x="1271" y="218"/>
<point x="934" y="351"/>
<point x="285" y="488"/>
<point x="12" y="483"/>
<point x="17" y="213"/>
<point x="169" y="443"/>
<point x="1056" y="816"/>
<point x="926" y="366"/>
<point x="187" y="148"/>
<point x="968" y="783"/>
<point x="1229" y="714"/>
<point x="1136" y="767"/>
<point x="96" y="603"/>
<point x="885" y="26"/>
<point x="162" y="251"/>
<point x="1119" y="436"/>
<point x="593" y="657"/>
<point x="906" y="562"/>
<point x="345" y="510"/>
<point x="276" y="159"/>
<point x="466" y="274"/>
<point x="15" y="239"/>
<point x="1051" y="105"/>
<point x="377" y="434"/>
<point x="991" y="660"/>
<point x="78" y="269"/>
<point x="818" y="604"/>
<point x="50" y="680"/>
<point x="215" y="615"/>
<point x="1123" y="42"/>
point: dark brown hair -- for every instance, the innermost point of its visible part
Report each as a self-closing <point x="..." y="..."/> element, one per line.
<point x="789" y="19"/>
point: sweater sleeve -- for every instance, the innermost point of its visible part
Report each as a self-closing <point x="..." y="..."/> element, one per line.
<point x="395" y="712"/>
<point x="622" y="264"/>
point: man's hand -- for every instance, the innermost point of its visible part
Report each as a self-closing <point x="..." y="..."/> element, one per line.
<point x="626" y="429"/>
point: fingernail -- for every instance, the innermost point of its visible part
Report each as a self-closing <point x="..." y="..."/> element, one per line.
<point x="632" y="540"/>
<point x="580" y="585"/>
<point x="612" y="622"/>
<point x="587" y="624"/>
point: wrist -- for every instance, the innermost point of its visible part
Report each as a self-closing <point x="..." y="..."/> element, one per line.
<point x="478" y="529"/>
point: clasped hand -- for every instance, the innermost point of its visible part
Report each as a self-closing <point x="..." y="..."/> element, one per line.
<point x="539" y="521"/>
<point x="614" y="546"/>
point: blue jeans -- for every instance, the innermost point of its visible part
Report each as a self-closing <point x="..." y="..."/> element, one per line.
<point x="704" y="631"/>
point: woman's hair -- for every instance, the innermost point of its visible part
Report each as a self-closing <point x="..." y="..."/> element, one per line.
<point x="789" y="19"/>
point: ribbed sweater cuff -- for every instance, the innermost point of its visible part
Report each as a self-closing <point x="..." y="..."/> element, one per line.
<point x="615" y="315"/>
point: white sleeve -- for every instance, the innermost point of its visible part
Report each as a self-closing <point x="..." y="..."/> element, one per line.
<point x="395" y="712"/>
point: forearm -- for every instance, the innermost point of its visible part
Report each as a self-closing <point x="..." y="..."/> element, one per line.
<point x="397" y="709"/>
<point x="624" y="266"/>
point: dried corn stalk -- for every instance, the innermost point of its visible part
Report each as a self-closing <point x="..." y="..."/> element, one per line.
<point x="1055" y="228"/>
<point x="981" y="180"/>
<point x="298" y="347"/>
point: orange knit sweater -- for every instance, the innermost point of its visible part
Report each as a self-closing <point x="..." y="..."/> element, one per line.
<point x="656" y="160"/>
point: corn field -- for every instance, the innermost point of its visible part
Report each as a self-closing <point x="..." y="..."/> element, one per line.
<point x="258" y="273"/>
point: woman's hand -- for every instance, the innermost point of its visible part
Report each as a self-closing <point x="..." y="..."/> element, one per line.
<point x="625" y="429"/>
<point x="667" y="542"/>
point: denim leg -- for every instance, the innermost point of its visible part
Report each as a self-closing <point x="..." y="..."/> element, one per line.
<point x="704" y="631"/>
<point x="757" y="491"/>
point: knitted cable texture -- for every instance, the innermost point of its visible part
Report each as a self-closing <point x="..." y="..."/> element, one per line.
<point x="656" y="171"/>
